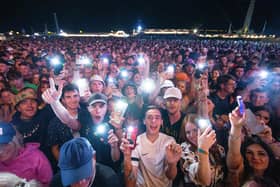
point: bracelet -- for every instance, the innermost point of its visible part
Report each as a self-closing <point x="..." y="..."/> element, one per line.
<point x="234" y="137"/>
<point x="202" y="151"/>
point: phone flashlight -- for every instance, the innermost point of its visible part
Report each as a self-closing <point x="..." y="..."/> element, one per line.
<point x="124" y="73"/>
<point x="203" y="123"/>
<point x="147" y="85"/>
<point x="263" y="74"/>
<point x="141" y="60"/>
<point x="105" y="60"/>
<point x="101" y="131"/>
<point x="55" y="61"/>
<point x="170" y="69"/>
<point x="131" y="135"/>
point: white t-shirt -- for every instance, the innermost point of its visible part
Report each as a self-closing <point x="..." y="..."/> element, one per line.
<point x="150" y="159"/>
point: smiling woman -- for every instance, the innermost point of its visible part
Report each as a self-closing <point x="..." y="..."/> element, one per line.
<point x="251" y="162"/>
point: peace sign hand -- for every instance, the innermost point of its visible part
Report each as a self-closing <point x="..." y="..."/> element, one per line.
<point x="52" y="95"/>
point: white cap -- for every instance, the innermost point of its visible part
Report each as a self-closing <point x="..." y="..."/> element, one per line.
<point x="172" y="92"/>
<point x="97" y="78"/>
<point x="167" y="84"/>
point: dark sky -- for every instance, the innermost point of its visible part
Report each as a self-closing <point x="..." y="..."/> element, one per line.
<point x="102" y="15"/>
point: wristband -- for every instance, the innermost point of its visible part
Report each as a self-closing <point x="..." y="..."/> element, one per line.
<point x="202" y="151"/>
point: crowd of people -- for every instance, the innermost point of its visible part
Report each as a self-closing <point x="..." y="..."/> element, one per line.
<point x="139" y="112"/>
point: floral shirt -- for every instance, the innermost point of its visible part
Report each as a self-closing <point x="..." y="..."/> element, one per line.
<point x="189" y="164"/>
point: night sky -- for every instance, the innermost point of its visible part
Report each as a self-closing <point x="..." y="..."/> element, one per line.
<point x="97" y="16"/>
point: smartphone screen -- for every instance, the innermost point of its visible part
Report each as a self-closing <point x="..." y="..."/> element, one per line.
<point x="241" y="105"/>
<point x="252" y="124"/>
<point x="131" y="135"/>
<point x="119" y="109"/>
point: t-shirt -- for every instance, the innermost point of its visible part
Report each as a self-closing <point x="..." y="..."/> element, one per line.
<point x="172" y="129"/>
<point x="222" y="106"/>
<point x="149" y="157"/>
<point x="30" y="164"/>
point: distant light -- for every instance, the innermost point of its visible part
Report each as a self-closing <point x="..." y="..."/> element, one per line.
<point x="195" y="31"/>
<point x="201" y="66"/>
<point x="105" y="60"/>
<point x="61" y="30"/>
<point x="85" y="60"/>
<point x="11" y="33"/>
<point x="141" y="60"/>
<point x="36" y="34"/>
<point x="263" y="74"/>
<point x="55" y="61"/>
<point x="81" y="31"/>
<point x="139" y="28"/>
<point x="170" y="69"/>
<point x="17" y="32"/>
<point x="124" y="73"/>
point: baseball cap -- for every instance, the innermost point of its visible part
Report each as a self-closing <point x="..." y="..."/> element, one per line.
<point x="7" y="132"/>
<point x="172" y="92"/>
<point x="75" y="161"/>
<point x="23" y="95"/>
<point x="97" y="98"/>
<point x="167" y="84"/>
<point x="97" y="78"/>
<point x="181" y="76"/>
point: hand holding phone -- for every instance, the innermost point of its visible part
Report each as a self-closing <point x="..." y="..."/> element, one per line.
<point x="131" y="135"/>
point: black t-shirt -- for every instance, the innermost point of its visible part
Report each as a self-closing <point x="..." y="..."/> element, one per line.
<point x="172" y="130"/>
<point x="102" y="148"/>
<point x="222" y="106"/>
<point x="35" y="129"/>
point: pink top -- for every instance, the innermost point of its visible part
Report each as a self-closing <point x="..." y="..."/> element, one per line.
<point x="30" y="164"/>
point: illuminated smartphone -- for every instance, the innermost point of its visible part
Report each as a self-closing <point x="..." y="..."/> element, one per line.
<point x="241" y="105"/>
<point x="119" y="108"/>
<point x="131" y="135"/>
<point x="102" y="131"/>
<point x="83" y="86"/>
<point x="252" y="124"/>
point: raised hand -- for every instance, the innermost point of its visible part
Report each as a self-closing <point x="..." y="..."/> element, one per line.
<point x="266" y="135"/>
<point x="206" y="139"/>
<point x="237" y="120"/>
<point x="173" y="153"/>
<point x="52" y="95"/>
<point x="126" y="147"/>
<point x="113" y="139"/>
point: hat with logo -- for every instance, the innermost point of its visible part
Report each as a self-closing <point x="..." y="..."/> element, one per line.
<point x="7" y="132"/>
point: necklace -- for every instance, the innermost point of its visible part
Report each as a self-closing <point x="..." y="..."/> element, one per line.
<point x="31" y="132"/>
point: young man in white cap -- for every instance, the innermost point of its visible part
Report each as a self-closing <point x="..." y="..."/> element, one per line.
<point x="172" y="116"/>
<point x="97" y="84"/>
